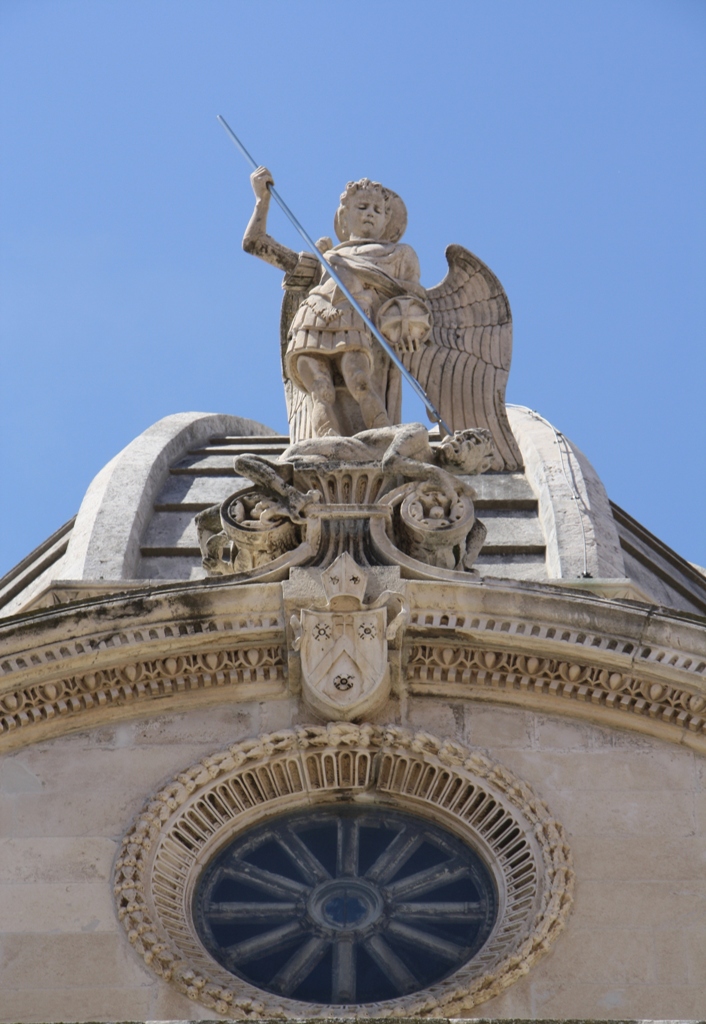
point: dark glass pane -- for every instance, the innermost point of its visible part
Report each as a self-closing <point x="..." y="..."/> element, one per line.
<point x="374" y="840"/>
<point x="267" y="965"/>
<point x="370" y="978"/>
<point x="272" y="857"/>
<point x="345" y="905"/>
<point x="316" y="988"/>
<point x="322" y="843"/>
<point x="426" y="856"/>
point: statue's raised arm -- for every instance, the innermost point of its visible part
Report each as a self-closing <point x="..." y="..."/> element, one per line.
<point x="256" y="241"/>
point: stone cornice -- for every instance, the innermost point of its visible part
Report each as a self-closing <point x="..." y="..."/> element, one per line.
<point x="617" y="663"/>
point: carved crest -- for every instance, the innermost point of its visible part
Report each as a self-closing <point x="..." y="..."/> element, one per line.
<point x="344" y="659"/>
<point x="344" y="649"/>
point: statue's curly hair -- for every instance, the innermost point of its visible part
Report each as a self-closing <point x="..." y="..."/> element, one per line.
<point x="395" y="210"/>
<point x="365" y="185"/>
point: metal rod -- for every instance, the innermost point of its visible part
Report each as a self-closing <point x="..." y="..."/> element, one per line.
<point x="412" y="381"/>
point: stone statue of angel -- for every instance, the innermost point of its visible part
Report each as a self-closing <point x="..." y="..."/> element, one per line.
<point x="456" y="338"/>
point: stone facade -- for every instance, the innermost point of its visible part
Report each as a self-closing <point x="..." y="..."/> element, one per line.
<point x="595" y="703"/>
<point x="573" y="657"/>
<point x="460" y="634"/>
<point x="633" y="808"/>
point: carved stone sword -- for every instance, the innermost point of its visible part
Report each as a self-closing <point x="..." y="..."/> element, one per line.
<point x="414" y="384"/>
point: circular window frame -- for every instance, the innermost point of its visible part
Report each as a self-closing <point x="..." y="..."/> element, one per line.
<point x="191" y="819"/>
<point x="387" y="934"/>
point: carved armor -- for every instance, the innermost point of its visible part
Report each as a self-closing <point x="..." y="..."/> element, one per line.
<point x="325" y="325"/>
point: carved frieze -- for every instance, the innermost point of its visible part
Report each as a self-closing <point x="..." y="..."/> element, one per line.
<point x="260" y="668"/>
<point x="452" y="670"/>
<point x="70" y="668"/>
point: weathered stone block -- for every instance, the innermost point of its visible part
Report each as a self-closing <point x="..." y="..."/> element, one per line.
<point x="56" y="860"/>
<point x="39" y="962"/>
<point x="36" y="907"/>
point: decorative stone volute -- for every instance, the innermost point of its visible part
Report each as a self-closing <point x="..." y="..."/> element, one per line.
<point x="331" y="495"/>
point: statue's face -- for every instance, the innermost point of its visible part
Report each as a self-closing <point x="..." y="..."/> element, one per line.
<point x="365" y="215"/>
<point x="467" y="451"/>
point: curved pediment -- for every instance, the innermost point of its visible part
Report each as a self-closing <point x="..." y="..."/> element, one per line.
<point x="556" y="650"/>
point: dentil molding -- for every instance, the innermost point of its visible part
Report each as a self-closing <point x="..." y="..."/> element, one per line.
<point x="617" y="663"/>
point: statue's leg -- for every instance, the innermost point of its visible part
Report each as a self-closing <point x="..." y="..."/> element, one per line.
<point x="315" y="375"/>
<point x="356" y="370"/>
<point x="410" y="455"/>
<point x="410" y="441"/>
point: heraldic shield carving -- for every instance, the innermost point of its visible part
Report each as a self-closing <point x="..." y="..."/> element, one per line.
<point x="344" y="647"/>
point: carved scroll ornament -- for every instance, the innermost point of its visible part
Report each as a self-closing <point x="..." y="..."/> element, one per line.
<point x="328" y="496"/>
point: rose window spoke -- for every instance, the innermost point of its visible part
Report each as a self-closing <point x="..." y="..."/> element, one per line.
<point x="345" y="905"/>
<point x="425" y="881"/>
<point x="455" y="912"/>
<point x="347" y="859"/>
<point x="397" y="853"/>
<point x="267" y="942"/>
<point x="446" y="950"/>
<point x="266" y="880"/>
<point x="264" y="912"/>
<point x="343" y="971"/>
<point x="310" y="866"/>
<point x="299" y="966"/>
<point x="398" y="973"/>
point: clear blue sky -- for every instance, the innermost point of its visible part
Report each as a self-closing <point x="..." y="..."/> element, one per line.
<point x="563" y="142"/>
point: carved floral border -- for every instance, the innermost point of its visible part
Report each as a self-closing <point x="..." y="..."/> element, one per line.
<point x="47" y="688"/>
<point x="436" y="668"/>
<point x="163" y="852"/>
<point x="139" y="681"/>
<point x="450" y="669"/>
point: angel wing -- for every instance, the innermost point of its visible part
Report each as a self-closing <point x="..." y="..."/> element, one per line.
<point x="465" y="366"/>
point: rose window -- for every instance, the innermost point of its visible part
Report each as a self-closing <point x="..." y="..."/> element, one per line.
<point x="345" y="904"/>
